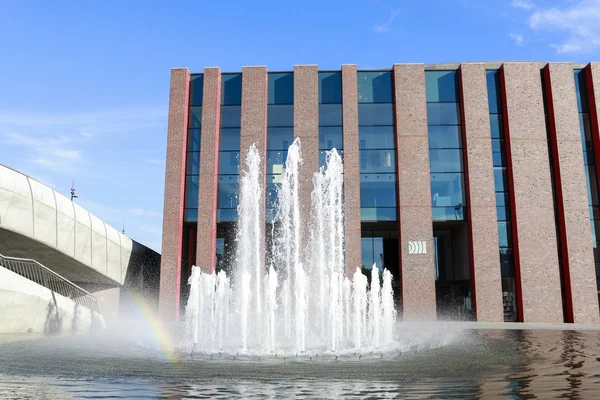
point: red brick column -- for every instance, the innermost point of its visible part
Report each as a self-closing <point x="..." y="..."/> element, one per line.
<point x="170" y="264"/>
<point x="209" y="170"/>
<point x="534" y="230"/>
<point x="351" y="168"/>
<point x="414" y="193"/>
<point x="480" y="194"/>
<point x="254" y="127"/>
<point x="571" y="195"/>
<point x="306" y="127"/>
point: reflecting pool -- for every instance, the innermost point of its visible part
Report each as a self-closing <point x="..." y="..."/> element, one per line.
<point x="447" y="362"/>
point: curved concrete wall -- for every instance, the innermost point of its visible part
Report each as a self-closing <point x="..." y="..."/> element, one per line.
<point x="34" y="210"/>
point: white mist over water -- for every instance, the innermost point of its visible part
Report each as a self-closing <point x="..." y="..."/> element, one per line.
<point x="303" y="301"/>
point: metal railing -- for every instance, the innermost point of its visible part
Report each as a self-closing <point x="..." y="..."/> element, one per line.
<point x="38" y="273"/>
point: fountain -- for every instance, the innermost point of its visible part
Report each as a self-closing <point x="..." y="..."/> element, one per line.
<point x="303" y="301"/>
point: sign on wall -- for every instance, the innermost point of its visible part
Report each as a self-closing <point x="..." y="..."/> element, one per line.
<point x="417" y="247"/>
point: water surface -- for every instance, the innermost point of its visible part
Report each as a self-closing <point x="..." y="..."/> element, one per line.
<point x="447" y="364"/>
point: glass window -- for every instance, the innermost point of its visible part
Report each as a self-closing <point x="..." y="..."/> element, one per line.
<point x="581" y="89"/>
<point x="196" y="89"/>
<point x="444" y="137"/>
<point x="330" y="137"/>
<point x="500" y="179"/>
<point x="496" y="123"/>
<point x="502" y="199"/>
<point x="280" y="115"/>
<point x="377" y="190"/>
<point x="191" y="191"/>
<point x="230" y="139"/>
<point x="330" y="87"/>
<point x="443" y="114"/>
<point x="229" y="162"/>
<point x="195" y="118"/>
<point x="227" y="196"/>
<point x="231" y="89"/>
<point x="446" y="160"/>
<point x="193" y="140"/>
<point x="376" y="137"/>
<point x="447" y="190"/>
<point x="375" y="114"/>
<point x="330" y="114"/>
<point x="383" y="161"/>
<point x="193" y="163"/>
<point x="276" y="161"/>
<point x="441" y="214"/>
<point x="503" y="213"/>
<point x="375" y="87"/>
<point x="367" y="252"/>
<point x="441" y="86"/>
<point x="231" y="116"/>
<point x="370" y="214"/>
<point x="227" y="215"/>
<point x="504" y="234"/>
<point x="493" y="82"/>
<point x="190" y="215"/>
<point x="507" y="264"/>
<point x="279" y="138"/>
<point x="281" y="88"/>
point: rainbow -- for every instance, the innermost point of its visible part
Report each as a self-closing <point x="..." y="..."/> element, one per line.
<point x="162" y="339"/>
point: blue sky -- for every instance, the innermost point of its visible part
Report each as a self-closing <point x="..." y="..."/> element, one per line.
<point x="84" y="85"/>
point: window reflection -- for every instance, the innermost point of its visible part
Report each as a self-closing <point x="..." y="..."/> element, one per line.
<point x="330" y="115"/>
<point x="330" y="87"/>
<point x="377" y="190"/>
<point x="330" y="137"/>
<point x="376" y="137"/>
<point x="375" y="114"/>
<point x="280" y="88"/>
<point x="443" y="114"/>
<point x="445" y="160"/>
<point x="196" y="89"/>
<point x="231" y="89"/>
<point x="195" y="117"/>
<point x="444" y="137"/>
<point x="375" y="87"/>
<point x="373" y="161"/>
<point x="441" y="86"/>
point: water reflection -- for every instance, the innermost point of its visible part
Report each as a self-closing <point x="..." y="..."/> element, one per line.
<point x="483" y="364"/>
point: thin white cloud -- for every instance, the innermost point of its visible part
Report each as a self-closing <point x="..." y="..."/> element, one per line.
<point x="56" y="153"/>
<point x="524" y="4"/>
<point x="385" y="27"/>
<point x="518" y="38"/>
<point x="155" y="161"/>
<point x="142" y="212"/>
<point x="578" y="22"/>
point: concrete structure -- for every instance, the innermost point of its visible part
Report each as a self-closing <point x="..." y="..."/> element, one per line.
<point x="467" y="181"/>
<point x="38" y="223"/>
<point x="26" y="306"/>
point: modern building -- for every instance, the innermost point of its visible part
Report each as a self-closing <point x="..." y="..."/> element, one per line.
<point x="474" y="183"/>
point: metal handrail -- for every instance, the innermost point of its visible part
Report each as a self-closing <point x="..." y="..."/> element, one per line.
<point x="40" y="274"/>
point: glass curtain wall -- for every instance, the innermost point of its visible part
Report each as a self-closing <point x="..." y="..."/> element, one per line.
<point x="451" y="244"/>
<point x="192" y="177"/>
<point x="589" y="159"/>
<point x="330" y="113"/>
<point x="229" y="168"/>
<point x="507" y="262"/>
<point x="378" y="196"/>
<point x="377" y="147"/>
<point x="445" y="146"/>
<point x="280" y="131"/>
